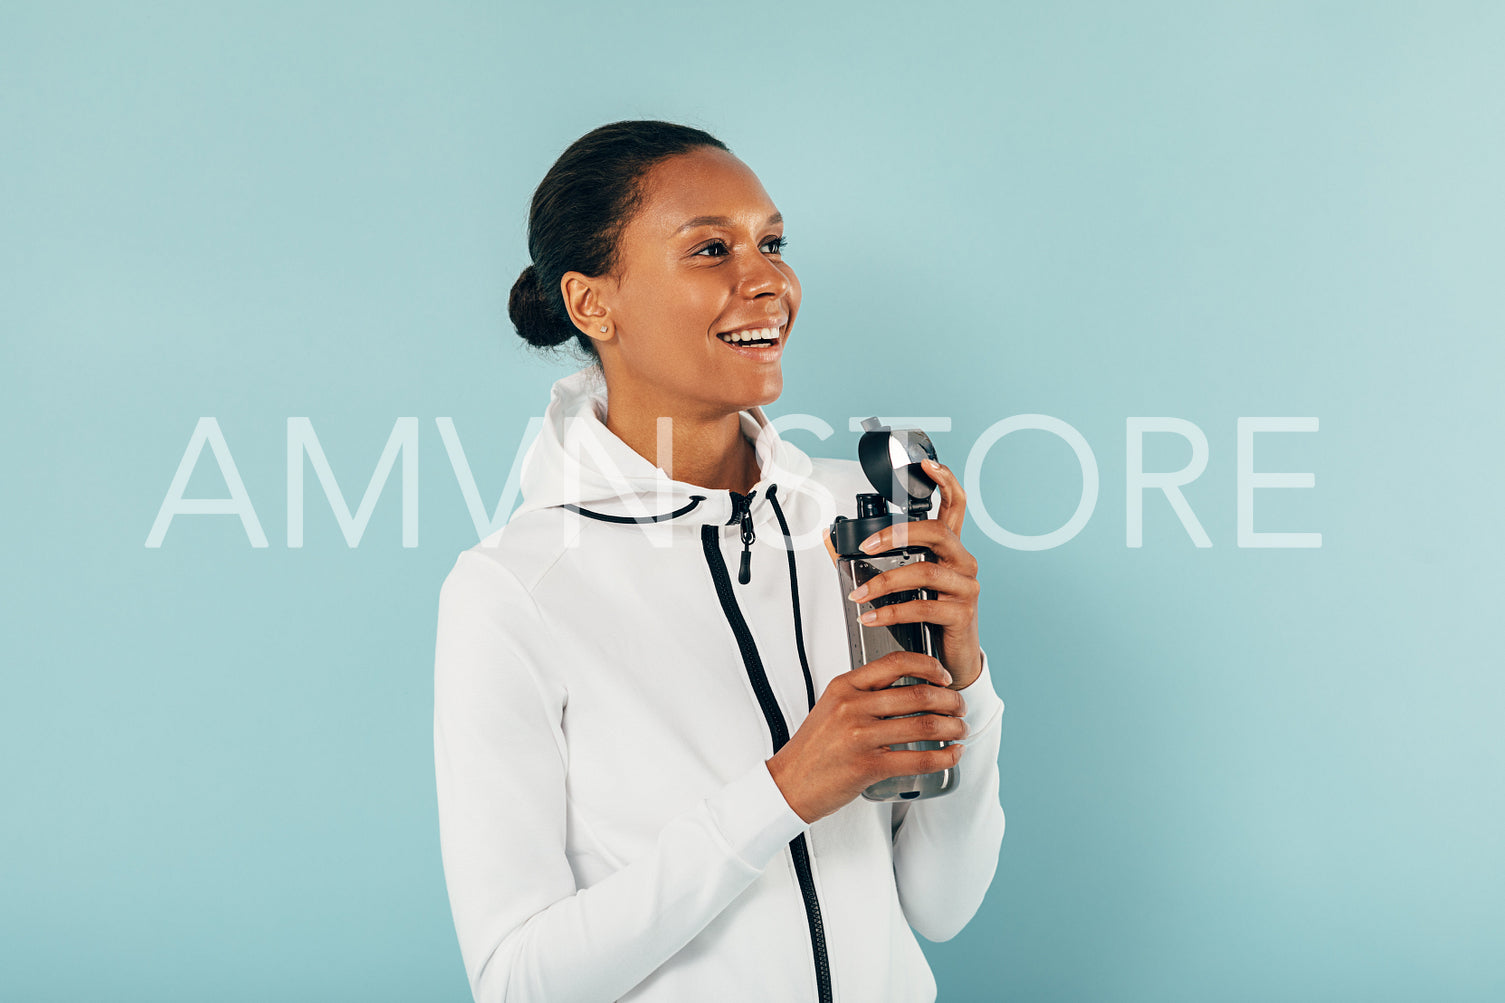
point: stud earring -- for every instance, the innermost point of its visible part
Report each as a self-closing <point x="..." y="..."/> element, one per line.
<point x="603" y="328"/>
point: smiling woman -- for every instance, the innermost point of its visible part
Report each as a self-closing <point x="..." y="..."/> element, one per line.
<point x="627" y="738"/>
<point x="669" y="270"/>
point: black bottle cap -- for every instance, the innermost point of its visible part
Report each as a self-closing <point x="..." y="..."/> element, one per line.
<point x="846" y="534"/>
<point x="891" y="459"/>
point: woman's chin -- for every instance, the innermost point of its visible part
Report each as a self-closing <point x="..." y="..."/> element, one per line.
<point x="773" y="387"/>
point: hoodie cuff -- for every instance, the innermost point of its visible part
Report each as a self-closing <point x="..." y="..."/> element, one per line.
<point x="754" y="818"/>
<point x="983" y="702"/>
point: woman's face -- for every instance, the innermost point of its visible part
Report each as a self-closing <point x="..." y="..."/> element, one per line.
<point x="701" y="258"/>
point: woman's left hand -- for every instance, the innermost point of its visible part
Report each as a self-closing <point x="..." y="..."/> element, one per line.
<point x="952" y="576"/>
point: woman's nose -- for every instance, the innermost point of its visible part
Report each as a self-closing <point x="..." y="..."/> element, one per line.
<point x="763" y="277"/>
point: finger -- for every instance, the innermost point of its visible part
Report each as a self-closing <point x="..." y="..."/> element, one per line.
<point x="896" y="701"/>
<point x="941" y="612"/>
<point x="953" y="499"/>
<point x="924" y="727"/>
<point x="881" y="672"/>
<point x="919" y="575"/>
<point x="932" y="534"/>
<point x="912" y="762"/>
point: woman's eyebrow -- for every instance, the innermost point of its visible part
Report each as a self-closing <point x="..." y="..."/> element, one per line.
<point x="777" y="217"/>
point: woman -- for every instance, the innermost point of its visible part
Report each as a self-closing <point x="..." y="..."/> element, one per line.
<point x="650" y="745"/>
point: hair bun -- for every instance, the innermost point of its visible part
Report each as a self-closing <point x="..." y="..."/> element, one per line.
<point x="536" y="322"/>
<point x="577" y="215"/>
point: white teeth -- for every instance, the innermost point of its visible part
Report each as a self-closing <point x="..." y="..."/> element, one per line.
<point x="756" y="334"/>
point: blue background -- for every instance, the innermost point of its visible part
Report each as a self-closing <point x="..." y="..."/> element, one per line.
<point x="1231" y="774"/>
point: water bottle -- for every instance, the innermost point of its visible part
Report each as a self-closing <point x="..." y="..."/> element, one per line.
<point x="891" y="459"/>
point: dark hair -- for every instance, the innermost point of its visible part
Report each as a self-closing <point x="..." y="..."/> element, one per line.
<point x="579" y="211"/>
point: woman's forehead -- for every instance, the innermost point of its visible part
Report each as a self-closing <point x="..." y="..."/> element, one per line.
<point x="704" y="185"/>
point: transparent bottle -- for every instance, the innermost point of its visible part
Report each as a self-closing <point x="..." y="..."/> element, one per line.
<point x="891" y="460"/>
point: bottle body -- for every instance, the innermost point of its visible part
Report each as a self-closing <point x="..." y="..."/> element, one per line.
<point x="869" y="642"/>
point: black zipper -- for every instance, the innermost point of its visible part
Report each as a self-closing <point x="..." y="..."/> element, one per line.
<point x="742" y="509"/>
<point x="799" y="849"/>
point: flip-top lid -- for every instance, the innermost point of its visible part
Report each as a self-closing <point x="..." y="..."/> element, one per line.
<point x="891" y="459"/>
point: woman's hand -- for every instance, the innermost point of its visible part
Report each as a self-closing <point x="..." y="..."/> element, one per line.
<point x="953" y="576"/>
<point x="841" y="747"/>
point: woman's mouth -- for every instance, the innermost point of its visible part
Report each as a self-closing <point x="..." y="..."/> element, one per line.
<point x="760" y="344"/>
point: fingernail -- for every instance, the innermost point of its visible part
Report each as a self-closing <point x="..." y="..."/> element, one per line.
<point x="932" y="465"/>
<point x="869" y="616"/>
<point x="858" y="594"/>
<point x="948" y="677"/>
<point x="870" y="545"/>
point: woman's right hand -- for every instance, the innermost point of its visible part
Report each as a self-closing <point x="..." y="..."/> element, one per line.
<point x="841" y="748"/>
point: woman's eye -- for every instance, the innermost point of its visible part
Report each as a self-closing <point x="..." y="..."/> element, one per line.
<point x="717" y="248"/>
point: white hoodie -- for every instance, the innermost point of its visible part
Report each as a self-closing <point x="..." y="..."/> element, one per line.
<point x="606" y="697"/>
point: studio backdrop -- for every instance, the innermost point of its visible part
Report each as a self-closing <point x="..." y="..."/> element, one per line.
<point x="1204" y="300"/>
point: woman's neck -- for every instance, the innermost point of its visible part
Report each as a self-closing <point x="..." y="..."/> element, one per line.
<point x="710" y="453"/>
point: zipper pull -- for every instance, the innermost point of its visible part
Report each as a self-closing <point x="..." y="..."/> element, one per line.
<point x="743" y="504"/>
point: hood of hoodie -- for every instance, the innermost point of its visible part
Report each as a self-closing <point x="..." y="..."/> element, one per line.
<point x="577" y="461"/>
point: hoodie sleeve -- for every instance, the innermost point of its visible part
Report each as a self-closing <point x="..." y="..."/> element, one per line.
<point x="526" y="931"/>
<point x="946" y="848"/>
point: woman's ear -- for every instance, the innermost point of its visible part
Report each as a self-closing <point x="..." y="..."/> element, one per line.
<point x="582" y="298"/>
